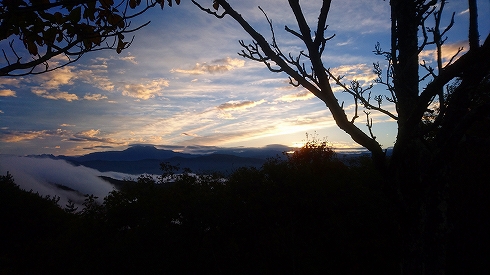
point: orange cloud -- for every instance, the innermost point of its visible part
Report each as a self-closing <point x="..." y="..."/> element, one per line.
<point x="55" y="95"/>
<point x="360" y="72"/>
<point x="10" y="81"/>
<point x="216" y="66"/>
<point x="447" y="52"/>
<point x="17" y="136"/>
<point x="146" y="90"/>
<point x="56" y="78"/>
<point x="237" y="105"/>
<point x="7" y="92"/>
<point x="304" y="95"/>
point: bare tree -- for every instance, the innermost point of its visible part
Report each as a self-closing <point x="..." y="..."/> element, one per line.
<point x="432" y="121"/>
<point x="37" y="31"/>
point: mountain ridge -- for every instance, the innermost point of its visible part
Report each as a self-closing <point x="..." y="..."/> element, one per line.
<point x="146" y="159"/>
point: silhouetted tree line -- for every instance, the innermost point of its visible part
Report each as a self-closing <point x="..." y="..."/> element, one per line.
<point x="308" y="213"/>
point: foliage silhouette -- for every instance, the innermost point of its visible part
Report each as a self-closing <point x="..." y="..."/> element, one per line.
<point x="435" y="106"/>
<point x="306" y="213"/>
<point x="438" y="111"/>
<point x="38" y="31"/>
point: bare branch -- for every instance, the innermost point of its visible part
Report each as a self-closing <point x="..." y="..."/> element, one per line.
<point x="369" y="124"/>
<point x="358" y="93"/>
<point x="209" y="11"/>
<point x="293" y="32"/>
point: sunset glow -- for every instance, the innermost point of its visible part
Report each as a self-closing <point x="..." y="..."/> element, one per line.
<point x="181" y="83"/>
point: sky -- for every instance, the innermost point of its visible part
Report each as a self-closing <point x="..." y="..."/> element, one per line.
<point x="181" y="85"/>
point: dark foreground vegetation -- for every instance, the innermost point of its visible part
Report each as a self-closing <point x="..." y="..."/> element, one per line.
<point x="308" y="214"/>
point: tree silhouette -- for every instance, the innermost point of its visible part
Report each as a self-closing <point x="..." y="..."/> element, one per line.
<point x="437" y="108"/>
<point x="434" y="106"/>
<point x="38" y="31"/>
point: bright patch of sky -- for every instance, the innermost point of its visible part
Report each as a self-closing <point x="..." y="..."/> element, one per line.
<point x="181" y="83"/>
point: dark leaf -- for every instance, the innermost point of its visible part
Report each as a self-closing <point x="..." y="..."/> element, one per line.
<point x="75" y="15"/>
<point x="87" y="43"/>
<point x="106" y="3"/>
<point x="50" y="36"/>
<point x="31" y="47"/>
<point x="132" y="4"/>
<point x="58" y="17"/>
<point x="120" y="46"/>
<point x="60" y="37"/>
<point x="97" y="40"/>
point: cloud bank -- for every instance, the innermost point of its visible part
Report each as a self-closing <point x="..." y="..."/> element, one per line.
<point x="43" y="174"/>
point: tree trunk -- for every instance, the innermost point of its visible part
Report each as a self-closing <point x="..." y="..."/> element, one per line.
<point x="421" y="192"/>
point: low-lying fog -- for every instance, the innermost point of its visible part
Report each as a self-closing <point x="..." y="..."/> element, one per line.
<point x="43" y="174"/>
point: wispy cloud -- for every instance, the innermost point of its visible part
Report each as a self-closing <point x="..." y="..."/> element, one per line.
<point x="303" y="95"/>
<point x="55" y="95"/>
<point x="91" y="135"/>
<point x="239" y="105"/>
<point x="360" y="72"/>
<point x="345" y="42"/>
<point x="97" y="78"/>
<point x="129" y="58"/>
<point x="88" y="136"/>
<point x="216" y="66"/>
<point x="94" y="97"/>
<point x="146" y="90"/>
<point x="448" y="51"/>
<point x="17" y="136"/>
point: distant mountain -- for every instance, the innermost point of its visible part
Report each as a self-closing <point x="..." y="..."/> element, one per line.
<point x="133" y="153"/>
<point x="201" y="164"/>
<point x="261" y="153"/>
<point x="141" y="159"/>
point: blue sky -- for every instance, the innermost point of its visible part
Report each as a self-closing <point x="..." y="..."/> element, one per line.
<point x="181" y="83"/>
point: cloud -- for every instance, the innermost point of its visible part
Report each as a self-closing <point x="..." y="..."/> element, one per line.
<point x="448" y="51"/>
<point x="87" y="136"/>
<point x="303" y="95"/>
<point x="239" y="105"/>
<point x="7" y="92"/>
<point x="131" y="59"/>
<point x="96" y="78"/>
<point x="216" y="66"/>
<point x="190" y="135"/>
<point x="145" y="90"/>
<point x="94" y="97"/>
<point x="17" y="136"/>
<point x="56" y="78"/>
<point x="345" y="43"/>
<point x="43" y="174"/>
<point x="91" y="135"/>
<point x="99" y="147"/>
<point x="10" y="81"/>
<point x="360" y="72"/>
<point x="55" y="95"/>
<point x="66" y="125"/>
